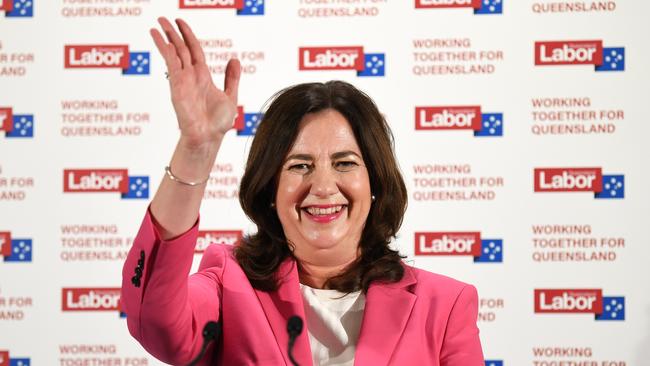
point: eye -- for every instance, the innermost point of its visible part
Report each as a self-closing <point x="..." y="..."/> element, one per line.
<point x="345" y="165"/>
<point x="300" y="168"/>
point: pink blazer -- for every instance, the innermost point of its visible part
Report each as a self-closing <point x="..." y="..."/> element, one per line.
<point x="424" y="319"/>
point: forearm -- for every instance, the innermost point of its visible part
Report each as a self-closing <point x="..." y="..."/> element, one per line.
<point x="175" y="206"/>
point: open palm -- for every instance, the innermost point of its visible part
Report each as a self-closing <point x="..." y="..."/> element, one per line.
<point x="204" y="112"/>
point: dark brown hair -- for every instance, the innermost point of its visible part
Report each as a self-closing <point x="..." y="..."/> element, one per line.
<point x="260" y="254"/>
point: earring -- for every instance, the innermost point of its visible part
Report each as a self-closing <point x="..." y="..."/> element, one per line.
<point x="272" y="204"/>
<point x="373" y="198"/>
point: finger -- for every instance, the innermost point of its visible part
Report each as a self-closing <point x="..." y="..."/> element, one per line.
<point x="171" y="59"/>
<point x="231" y="79"/>
<point x="179" y="46"/>
<point x="173" y="37"/>
<point x="191" y="41"/>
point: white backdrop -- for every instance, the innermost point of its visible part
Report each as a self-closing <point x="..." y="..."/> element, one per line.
<point x="61" y="263"/>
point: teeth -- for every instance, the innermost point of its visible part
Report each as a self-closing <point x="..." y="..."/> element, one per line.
<point x="323" y="211"/>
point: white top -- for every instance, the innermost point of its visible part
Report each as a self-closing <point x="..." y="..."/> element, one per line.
<point x="333" y="324"/>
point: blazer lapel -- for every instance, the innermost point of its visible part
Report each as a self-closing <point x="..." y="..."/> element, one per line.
<point x="282" y="304"/>
<point x="388" y="308"/>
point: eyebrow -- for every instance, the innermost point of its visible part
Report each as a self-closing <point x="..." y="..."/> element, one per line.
<point x="336" y="155"/>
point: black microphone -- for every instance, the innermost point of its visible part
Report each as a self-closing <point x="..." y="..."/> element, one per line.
<point x="211" y="332"/>
<point x="294" y="328"/>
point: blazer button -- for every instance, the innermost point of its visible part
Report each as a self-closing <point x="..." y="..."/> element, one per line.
<point x="135" y="280"/>
<point x="138" y="271"/>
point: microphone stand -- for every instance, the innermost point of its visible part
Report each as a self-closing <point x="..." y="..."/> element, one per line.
<point x="211" y="331"/>
<point x="294" y="328"/>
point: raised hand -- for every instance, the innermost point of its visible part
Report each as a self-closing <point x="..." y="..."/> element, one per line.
<point x="204" y="112"/>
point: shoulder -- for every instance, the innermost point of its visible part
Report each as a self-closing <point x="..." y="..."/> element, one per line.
<point x="219" y="250"/>
<point x="433" y="281"/>
<point x="442" y="288"/>
<point x="451" y="309"/>
<point x="218" y="256"/>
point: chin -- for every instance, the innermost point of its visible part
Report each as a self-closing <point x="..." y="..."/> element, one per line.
<point x="323" y="241"/>
<point x="315" y="240"/>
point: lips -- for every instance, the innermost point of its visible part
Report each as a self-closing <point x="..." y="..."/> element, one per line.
<point x="323" y="213"/>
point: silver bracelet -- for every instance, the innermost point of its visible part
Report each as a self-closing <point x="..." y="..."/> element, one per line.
<point x="171" y="176"/>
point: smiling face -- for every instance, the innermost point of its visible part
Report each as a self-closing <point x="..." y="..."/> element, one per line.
<point x="323" y="195"/>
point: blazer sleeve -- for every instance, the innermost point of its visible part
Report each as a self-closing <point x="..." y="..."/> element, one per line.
<point x="461" y="344"/>
<point x="166" y="311"/>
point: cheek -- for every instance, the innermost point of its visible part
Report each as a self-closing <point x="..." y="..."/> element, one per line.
<point x="288" y="185"/>
<point x="356" y="188"/>
<point x="357" y="185"/>
<point x="290" y="192"/>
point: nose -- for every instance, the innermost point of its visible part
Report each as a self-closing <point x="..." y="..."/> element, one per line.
<point x="324" y="182"/>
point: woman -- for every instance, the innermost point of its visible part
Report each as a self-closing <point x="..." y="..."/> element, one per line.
<point x="323" y="187"/>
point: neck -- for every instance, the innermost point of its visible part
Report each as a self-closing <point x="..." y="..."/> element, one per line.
<point x="315" y="274"/>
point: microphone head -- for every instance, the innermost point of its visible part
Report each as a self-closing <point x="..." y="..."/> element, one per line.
<point x="294" y="325"/>
<point x="211" y="330"/>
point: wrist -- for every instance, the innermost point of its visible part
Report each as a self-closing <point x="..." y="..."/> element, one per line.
<point x="199" y="148"/>
<point x="193" y="163"/>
